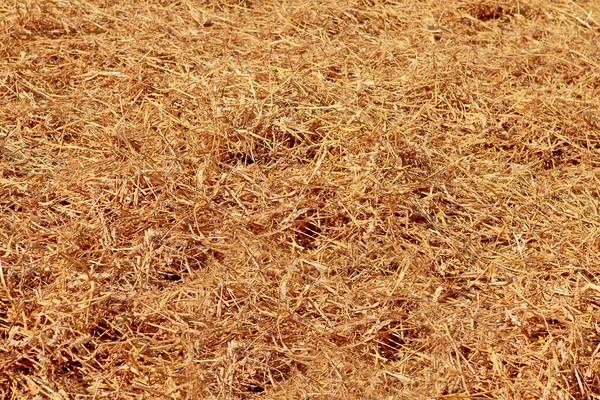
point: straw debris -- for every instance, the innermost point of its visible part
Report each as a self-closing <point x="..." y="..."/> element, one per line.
<point x="359" y="199"/>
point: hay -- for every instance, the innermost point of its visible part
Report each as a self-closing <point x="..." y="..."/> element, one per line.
<point x="325" y="200"/>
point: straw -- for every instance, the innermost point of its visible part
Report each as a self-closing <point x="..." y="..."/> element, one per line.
<point x="359" y="199"/>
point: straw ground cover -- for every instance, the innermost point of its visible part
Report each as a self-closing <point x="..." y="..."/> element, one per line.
<point x="299" y="199"/>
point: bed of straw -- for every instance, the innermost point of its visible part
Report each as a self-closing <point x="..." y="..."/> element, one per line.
<point x="360" y="199"/>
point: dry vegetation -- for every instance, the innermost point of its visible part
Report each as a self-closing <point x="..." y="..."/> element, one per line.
<point x="338" y="199"/>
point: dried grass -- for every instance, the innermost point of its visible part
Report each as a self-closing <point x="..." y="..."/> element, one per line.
<point x="324" y="200"/>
